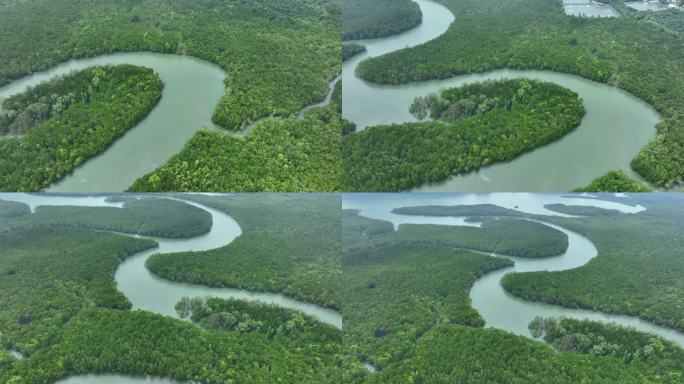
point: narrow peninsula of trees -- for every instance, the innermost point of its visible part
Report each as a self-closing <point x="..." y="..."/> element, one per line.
<point x="536" y="34"/>
<point x="62" y="123"/>
<point x="479" y="124"/>
<point x="614" y="181"/>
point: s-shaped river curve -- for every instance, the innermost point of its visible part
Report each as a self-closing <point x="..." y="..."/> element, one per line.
<point x="192" y="90"/>
<point x="151" y="293"/>
<point x="499" y="308"/>
<point x="613" y="131"/>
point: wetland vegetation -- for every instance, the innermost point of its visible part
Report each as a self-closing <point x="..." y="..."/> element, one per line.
<point x="366" y="19"/>
<point x="423" y="329"/>
<point x="62" y="310"/>
<point x="475" y="125"/>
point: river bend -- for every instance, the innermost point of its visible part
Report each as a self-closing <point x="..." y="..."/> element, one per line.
<point x="499" y="308"/>
<point x="151" y="293"/>
<point x="613" y="131"/>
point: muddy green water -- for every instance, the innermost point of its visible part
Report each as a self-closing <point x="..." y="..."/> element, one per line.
<point x="615" y="128"/>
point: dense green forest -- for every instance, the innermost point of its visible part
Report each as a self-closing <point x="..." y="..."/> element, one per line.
<point x="352" y="49"/>
<point x="62" y="311"/>
<point x="365" y="19"/>
<point x="270" y="320"/>
<point x="457" y="210"/>
<point x="485" y="123"/>
<point x="512" y="237"/>
<point x="630" y="52"/>
<point x="48" y="274"/>
<point x="608" y="339"/>
<point x="637" y="271"/>
<point x="64" y="122"/>
<point x="145" y="216"/>
<point x="278" y="55"/>
<point x="277" y="155"/>
<point x="289" y="244"/>
<point x="614" y="181"/>
<point x="578" y="210"/>
<point x="407" y="311"/>
<point x="11" y="209"/>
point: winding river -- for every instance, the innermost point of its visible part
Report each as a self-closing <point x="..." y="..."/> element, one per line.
<point x="499" y="308"/>
<point x="615" y="128"/>
<point x="192" y="90"/>
<point x="148" y="292"/>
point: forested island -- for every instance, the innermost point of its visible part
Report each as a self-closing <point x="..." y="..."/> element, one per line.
<point x="366" y="19"/>
<point x="58" y="125"/>
<point x="64" y="313"/>
<point x="474" y="126"/>
<point x="422" y="327"/>
<point x="279" y="57"/>
<point x="638" y="53"/>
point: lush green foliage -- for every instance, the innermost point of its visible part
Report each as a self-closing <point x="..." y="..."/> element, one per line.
<point x="488" y="122"/>
<point x="513" y="237"/>
<point x="144" y="216"/>
<point x="614" y="181"/>
<point x="406" y="309"/>
<point x="141" y="343"/>
<point x="278" y="55"/>
<point x="365" y="19"/>
<point x="395" y="289"/>
<point x="277" y="155"/>
<point x="245" y="317"/>
<point x="629" y="52"/>
<point x="351" y="49"/>
<point x="60" y="307"/>
<point x="289" y="244"/>
<point x="638" y="269"/>
<point x="48" y="274"/>
<point x="69" y="120"/>
<point x="452" y="353"/>
<point x="10" y="209"/>
<point x="608" y="339"/>
<point x="457" y="210"/>
<point x="579" y="210"/>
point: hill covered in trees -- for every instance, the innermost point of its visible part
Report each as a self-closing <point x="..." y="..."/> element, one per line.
<point x="630" y="52"/>
<point x="365" y="19"/>
<point x="58" y="125"/>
